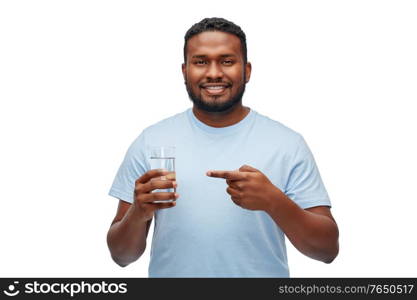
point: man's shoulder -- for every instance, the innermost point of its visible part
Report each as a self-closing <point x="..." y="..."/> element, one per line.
<point x="163" y="130"/>
<point x="274" y="128"/>
<point x="168" y="123"/>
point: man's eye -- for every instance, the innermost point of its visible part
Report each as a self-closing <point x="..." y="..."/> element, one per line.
<point x="200" y="62"/>
<point x="227" y="62"/>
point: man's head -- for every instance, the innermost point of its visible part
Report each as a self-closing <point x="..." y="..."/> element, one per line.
<point x="215" y="65"/>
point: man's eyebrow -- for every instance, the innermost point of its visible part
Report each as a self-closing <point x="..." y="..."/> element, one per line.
<point x="205" y="56"/>
<point x="199" y="56"/>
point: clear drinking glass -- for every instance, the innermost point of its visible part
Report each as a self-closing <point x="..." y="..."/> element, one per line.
<point x="163" y="157"/>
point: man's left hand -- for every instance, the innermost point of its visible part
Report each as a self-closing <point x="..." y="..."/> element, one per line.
<point x="248" y="187"/>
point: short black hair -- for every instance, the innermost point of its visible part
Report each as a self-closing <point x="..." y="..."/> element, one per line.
<point x="216" y="24"/>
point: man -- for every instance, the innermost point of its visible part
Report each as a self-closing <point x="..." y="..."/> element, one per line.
<point x="242" y="179"/>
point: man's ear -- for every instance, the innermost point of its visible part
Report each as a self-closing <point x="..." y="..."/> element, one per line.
<point x="248" y="69"/>
<point x="184" y="71"/>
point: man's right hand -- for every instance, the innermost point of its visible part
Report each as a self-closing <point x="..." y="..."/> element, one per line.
<point x="143" y="205"/>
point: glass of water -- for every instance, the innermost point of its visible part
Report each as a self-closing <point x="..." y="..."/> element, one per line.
<point x="163" y="157"/>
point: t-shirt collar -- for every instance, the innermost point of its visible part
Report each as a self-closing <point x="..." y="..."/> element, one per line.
<point x="220" y="130"/>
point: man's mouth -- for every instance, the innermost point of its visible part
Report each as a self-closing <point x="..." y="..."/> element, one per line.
<point x="213" y="89"/>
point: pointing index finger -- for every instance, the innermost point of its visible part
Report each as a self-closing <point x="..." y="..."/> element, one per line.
<point x="231" y="175"/>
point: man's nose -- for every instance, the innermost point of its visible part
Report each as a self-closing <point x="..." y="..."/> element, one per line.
<point x="214" y="71"/>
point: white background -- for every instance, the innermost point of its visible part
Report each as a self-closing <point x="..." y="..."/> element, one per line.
<point x="79" y="80"/>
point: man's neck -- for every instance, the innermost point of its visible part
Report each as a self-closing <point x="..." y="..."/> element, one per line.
<point x="222" y="119"/>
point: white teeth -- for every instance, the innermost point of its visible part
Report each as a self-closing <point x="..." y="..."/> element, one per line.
<point x="215" y="87"/>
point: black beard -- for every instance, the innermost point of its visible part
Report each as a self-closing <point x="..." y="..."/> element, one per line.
<point x="215" y="107"/>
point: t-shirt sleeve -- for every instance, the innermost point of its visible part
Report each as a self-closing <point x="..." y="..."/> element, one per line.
<point x="134" y="165"/>
<point x="305" y="186"/>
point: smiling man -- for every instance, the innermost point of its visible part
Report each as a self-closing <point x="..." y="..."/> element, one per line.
<point x="216" y="72"/>
<point x="243" y="181"/>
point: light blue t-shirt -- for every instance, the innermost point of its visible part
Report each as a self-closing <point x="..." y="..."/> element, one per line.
<point x="206" y="234"/>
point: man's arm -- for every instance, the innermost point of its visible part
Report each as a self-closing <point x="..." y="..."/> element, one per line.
<point x="312" y="231"/>
<point x="126" y="237"/>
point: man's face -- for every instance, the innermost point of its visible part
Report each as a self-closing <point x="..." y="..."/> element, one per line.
<point x="215" y="73"/>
